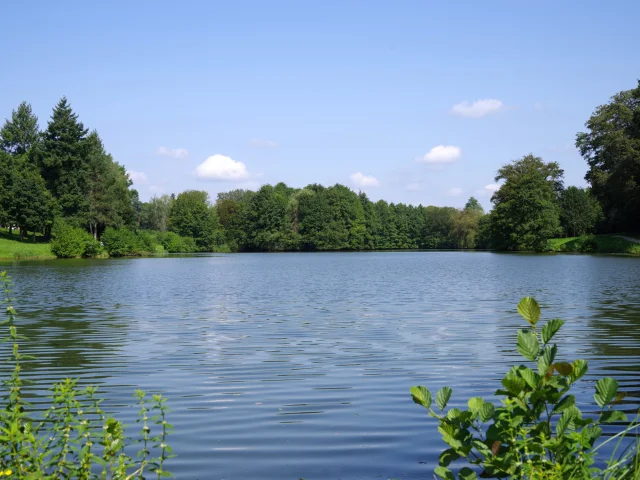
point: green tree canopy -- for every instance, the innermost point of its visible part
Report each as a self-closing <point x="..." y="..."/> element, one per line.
<point x="579" y="211"/>
<point x="64" y="166"/>
<point x="21" y="133"/>
<point x="191" y="215"/>
<point x="611" y="147"/>
<point x="526" y="212"/>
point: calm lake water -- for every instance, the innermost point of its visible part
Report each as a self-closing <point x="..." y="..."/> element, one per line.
<point x="281" y="366"/>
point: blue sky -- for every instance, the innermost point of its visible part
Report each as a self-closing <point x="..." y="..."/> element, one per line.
<point x="219" y="95"/>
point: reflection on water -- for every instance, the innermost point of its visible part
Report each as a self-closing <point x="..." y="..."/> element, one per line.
<point x="299" y="365"/>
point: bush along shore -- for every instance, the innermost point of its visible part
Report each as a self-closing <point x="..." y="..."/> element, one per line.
<point x="537" y="431"/>
<point x="74" y="437"/>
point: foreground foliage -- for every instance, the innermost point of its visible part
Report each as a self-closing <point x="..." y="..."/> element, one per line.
<point x="537" y="432"/>
<point x="74" y="437"/>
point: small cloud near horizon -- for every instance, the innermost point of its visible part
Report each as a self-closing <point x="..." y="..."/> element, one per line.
<point x="156" y="190"/>
<point x="221" y="167"/>
<point x="441" y="154"/>
<point x="489" y="189"/>
<point x="455" y="192"/>
<point x="478" y="109"/>
<point x="137" y="177"/>
<point x="263" y="143"/>
<point x="172" y="152"/>
<point x="362" y="180"/>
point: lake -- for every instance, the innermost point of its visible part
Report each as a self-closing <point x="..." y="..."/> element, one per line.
<point x="282" y="366"/>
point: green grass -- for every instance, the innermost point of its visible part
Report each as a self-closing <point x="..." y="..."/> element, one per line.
<point x="12" y="248"/>
<point x="595" y="244"/>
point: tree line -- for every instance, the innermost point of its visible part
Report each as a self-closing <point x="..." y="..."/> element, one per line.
<point x="63" y="175"/>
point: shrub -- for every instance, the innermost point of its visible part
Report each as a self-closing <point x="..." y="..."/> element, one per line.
<point x="538" y="432"/>
<point x="189" y="245"/>
<point x="71" y="242"/>
<point x="174" y="243"/>
<point x="119" y="242"/>
<point x="74" y="438"/>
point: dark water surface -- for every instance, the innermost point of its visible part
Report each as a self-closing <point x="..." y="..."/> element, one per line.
<point x="281" y="366"/>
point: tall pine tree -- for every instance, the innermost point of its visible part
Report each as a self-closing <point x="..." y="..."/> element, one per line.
<point x="64" y="165"/>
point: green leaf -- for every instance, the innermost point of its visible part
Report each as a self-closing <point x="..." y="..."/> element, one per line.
<point x="444" y="472"/>
<point x="529" y="309"/>
<point x="550" y="329"/>
<point x="563" y="422"/>
<point x="528" y="344"/>
<point x="453" y="413"/>
<point x="546" y="359"/>
<point x="443" y="396"/>
<point x="421" y="396"/>
<point x="475" y="404"/>
<point x="529" y="376"/>
<point x="564" y="403"/>
<point x="481" y="447"/>
<point x="466" y="473"/>
<point x="580" y="368"/>
<point x="448" y="456"/>
<point x="606" y="390"/>
<point x="563" y="368"/>
<point x="610" y="416"/>
<point x="513" y="383"/>
<point x="487" y="411"/>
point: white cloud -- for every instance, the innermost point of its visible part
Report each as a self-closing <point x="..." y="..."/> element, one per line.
<point x="538" y="107"/>
<point x="263" y="143"/>
<point x="221" y="167"/>
<point x="137" y="177"/>
<point x="414" y="187"/>
<point x="362" y="180"/>
<point x="454" y="192"/>
<point x="173" y="152"/>
<point x="488" y="189"/>
<point x="156" y="190"/>
<point x="477" y="109"/>
<point x="442" y="154"/>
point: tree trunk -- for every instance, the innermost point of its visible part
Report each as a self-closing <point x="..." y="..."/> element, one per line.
<point x="34" y="236"/>
<point x="21" y="233"/>
<point x="10" y="229"/>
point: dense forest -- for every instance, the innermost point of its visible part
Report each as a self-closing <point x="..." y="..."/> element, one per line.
<point x="61" y="183"/>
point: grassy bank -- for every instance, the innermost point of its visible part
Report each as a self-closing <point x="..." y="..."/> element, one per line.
<point x="595" y="244"/>
<point x="12" y="248"/>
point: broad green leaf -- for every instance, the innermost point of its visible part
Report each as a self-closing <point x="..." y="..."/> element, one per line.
<point x="453" y="413"/>
<point x="590" y="434"/>
<point x="546" y="359"/>
<point x="481" y="447"/>
<point x="529" y="376"/>
<point x="466" y="473"/>
<point x="513" y="383"/>
<point x="580" y="368"/>
<point x="475" y="404"/>
<point x="443" y="396"/>
<point x="564" y="422"/>
<point x="529" y="309"/>
<point x="564" y="403"/>
<point x="487" y="411"/>
<point x="610" y="416"/>
<point x="445" y="473"/>
<point x="422" y="396"/>
<point x="606" y="390"/>
<point x="448" y="456"/>
<point x="550" y="329"/>
<point x="563" y="368"/>
<point x="528" y="344"/>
